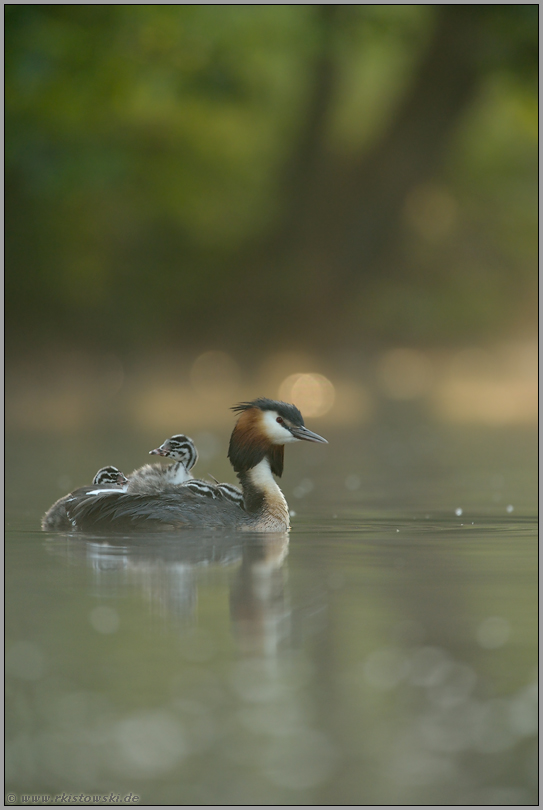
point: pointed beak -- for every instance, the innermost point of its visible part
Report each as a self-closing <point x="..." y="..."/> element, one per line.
<point x="307" y="435"/>
<point x="157" y="452"/>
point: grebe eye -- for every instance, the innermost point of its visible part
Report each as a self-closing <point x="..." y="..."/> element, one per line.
<point x="280" y="420"/>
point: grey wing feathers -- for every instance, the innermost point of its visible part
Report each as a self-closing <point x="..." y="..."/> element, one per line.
<point x="123" y="511"/>
<point x="56" y="518"/>
<point x="175" y="507"/>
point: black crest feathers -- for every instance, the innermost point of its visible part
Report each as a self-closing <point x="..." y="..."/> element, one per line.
<point x="284" y="409"/>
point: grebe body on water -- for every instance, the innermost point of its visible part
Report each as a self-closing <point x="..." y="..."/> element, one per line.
<point x="256" y="452"/>
<point x="107" y="479"/>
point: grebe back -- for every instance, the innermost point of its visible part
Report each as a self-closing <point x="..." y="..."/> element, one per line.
<point x="107" y="479"/>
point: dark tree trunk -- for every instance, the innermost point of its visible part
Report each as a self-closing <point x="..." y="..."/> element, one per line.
<point x="308" y="157"/>
<point x="344" y="220"/>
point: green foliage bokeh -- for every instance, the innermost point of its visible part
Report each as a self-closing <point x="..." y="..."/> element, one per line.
<point x="147" y="158"/>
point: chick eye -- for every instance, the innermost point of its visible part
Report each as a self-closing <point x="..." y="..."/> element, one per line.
<point x="280" y="420"/>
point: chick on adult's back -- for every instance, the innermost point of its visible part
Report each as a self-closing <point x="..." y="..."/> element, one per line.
<point x="153" y="478"/>
<point x="256" y="451"/>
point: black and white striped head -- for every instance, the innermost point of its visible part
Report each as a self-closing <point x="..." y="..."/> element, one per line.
<point x="180" y="448"/>
<point x="109" y="475"/>
<point x="202" y="488"/>
<point x="231" y="493"/>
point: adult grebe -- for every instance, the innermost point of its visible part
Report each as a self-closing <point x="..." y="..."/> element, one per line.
<point x="256" y="452"/>
<point x="152" y="478"/>
<point x="107" y="479"/>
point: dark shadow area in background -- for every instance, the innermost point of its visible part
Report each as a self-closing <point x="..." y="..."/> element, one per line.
<point x="264" y="176"/>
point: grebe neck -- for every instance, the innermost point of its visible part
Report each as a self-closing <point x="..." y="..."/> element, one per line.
<point x="263" y="498"/>
<point x="177" y="473"/>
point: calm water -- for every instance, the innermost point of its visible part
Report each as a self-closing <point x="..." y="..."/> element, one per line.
<point x="383" y="652"/>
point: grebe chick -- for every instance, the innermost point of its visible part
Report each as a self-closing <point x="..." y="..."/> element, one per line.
<point x="152" y="478"/>
<point x="230" y="492"/>
<point x="110" y="475"/>
<point x="107" y="479"/>
<point x="256" y="451"/>
<point x="223" y="492"/>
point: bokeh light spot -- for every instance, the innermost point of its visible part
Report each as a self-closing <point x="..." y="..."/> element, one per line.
<point x="313" y="394"/>
<point x="150" y="743"/>
<point x="305" y="486"/>
<point x="385" y="668"/>
<point x="352" y="482"/>
<point x="104" y="619"/>
<point x="493" y="632"/>
<point x="300" y="760"/>
<point x="431" y="211"/>
<point x="523" y="711"/>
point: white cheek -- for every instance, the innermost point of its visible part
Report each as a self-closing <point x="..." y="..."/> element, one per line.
<point x="275" y="432"/>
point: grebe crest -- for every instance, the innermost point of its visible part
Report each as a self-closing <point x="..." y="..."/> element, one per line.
<point x="256" y="453"/>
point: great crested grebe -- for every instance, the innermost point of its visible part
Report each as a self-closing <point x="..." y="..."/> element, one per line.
<point x="107" y="479"/>
<point x="256" y="451"/>
<point x="152" y="478"/>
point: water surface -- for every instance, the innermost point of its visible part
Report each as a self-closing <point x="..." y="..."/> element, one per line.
<point x="382" y="652"/>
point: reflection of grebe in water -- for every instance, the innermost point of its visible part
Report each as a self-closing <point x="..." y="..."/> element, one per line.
<point x="256" y="450"/>
<point x="259" y="607"/>
<point x="105" y="480"/>
<point x="170" y="571"/>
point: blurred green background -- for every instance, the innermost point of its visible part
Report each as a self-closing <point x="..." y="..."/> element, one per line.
<point x="260" y="178"/>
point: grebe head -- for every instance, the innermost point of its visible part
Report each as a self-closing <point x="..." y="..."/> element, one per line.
<point x="180" y="448"/>
<point x="263" y="428"/>
<point x="110" y="475"/>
